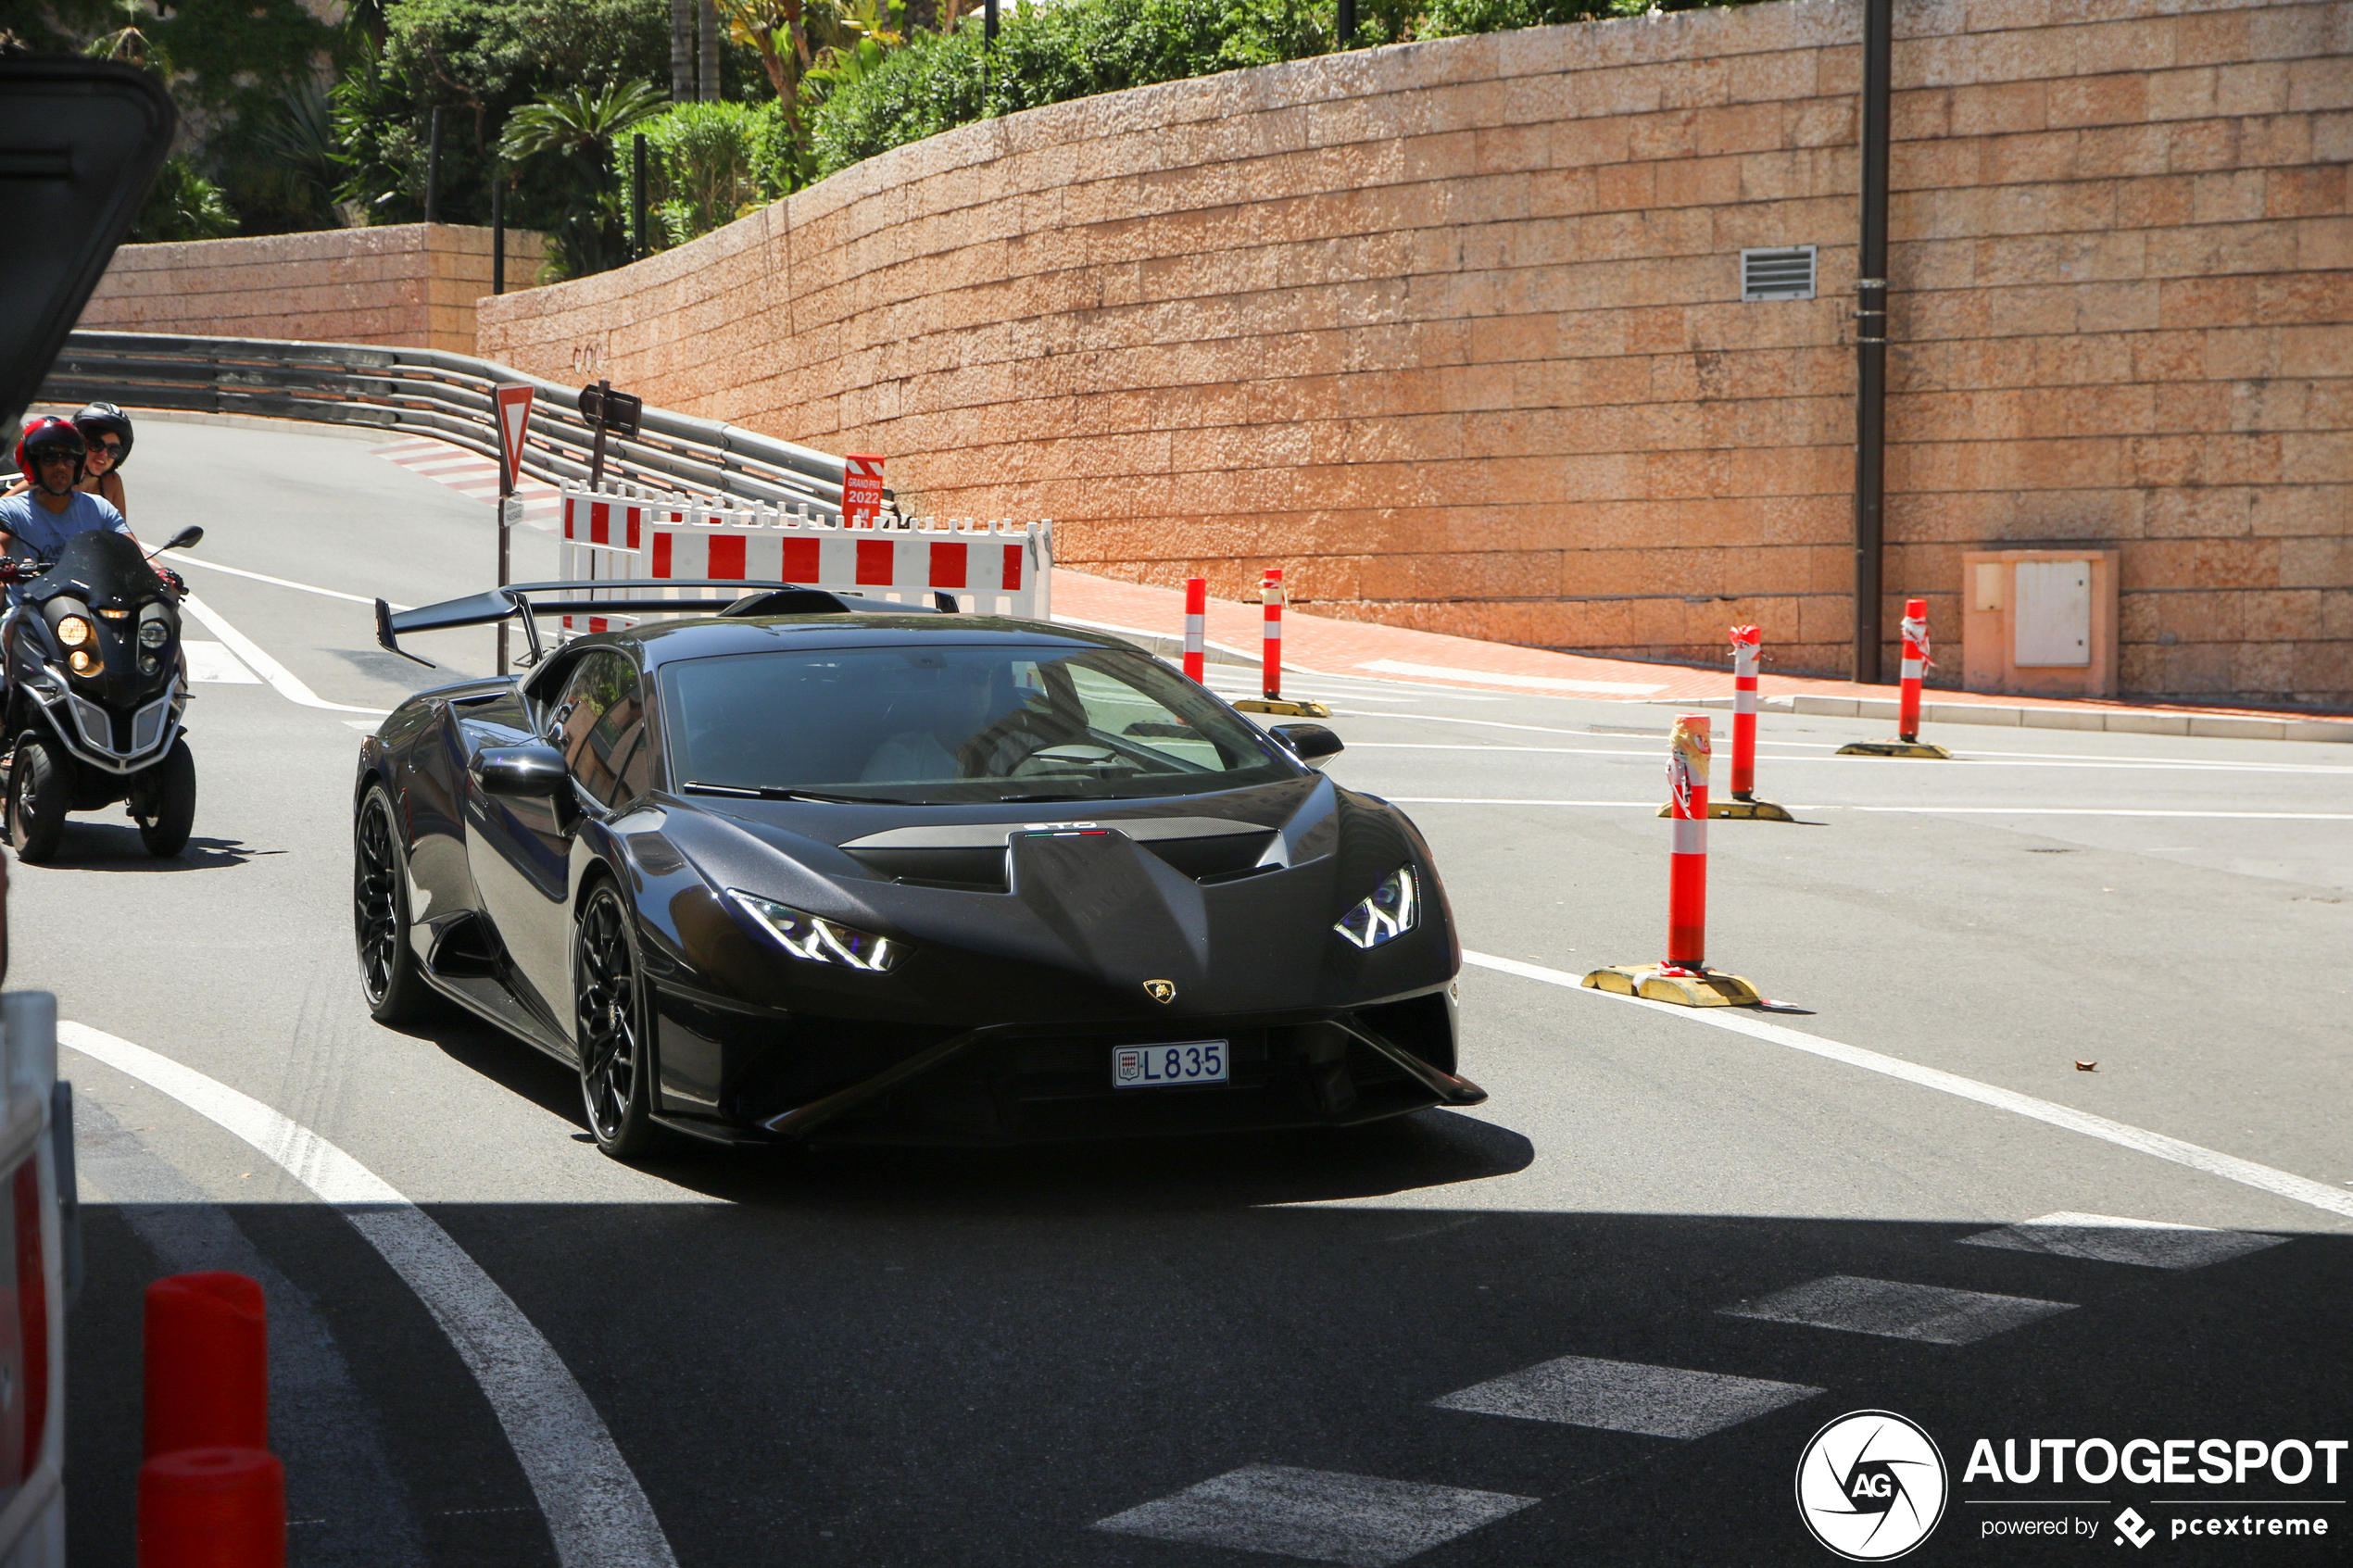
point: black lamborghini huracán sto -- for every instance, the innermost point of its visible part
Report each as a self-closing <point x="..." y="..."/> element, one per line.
<point x="818" y="868"/>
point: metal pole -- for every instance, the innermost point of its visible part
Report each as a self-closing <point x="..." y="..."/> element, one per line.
<point x="432" y="168"/>
<point x="1870" y="348"/>
<point x="1347" y="21"/>
<point x="988" y="22"/>
<point x="596" y="457"/>
<point x="497" y="233"/>
<point x="637" y="195"/>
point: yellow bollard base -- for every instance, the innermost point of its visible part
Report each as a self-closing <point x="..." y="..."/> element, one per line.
<point x="1748" y="811"/>
<point x="1301" y="709"/>
<point x="1709" y="988"/>
<point x="1895" y="748"/>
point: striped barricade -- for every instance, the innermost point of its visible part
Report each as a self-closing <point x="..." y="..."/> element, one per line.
<point x="999" y="568"/>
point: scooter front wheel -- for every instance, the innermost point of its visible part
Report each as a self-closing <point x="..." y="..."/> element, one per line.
<point x="40" y="792"/>
<point x="172" y="796"/>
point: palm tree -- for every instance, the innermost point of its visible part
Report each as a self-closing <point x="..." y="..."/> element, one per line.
<point x="583" y="119"/>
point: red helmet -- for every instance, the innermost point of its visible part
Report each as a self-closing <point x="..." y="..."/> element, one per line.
<point x="46" y="434"/>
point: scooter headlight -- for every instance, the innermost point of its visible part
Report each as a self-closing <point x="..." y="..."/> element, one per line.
<point x="1394" y="909"/>
<point x="154" y="633"/>
<point x="80" y="663"/>
<point x="75" y="632"/>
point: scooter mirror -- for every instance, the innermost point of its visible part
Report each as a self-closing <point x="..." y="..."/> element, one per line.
<point x="187" y="538"/>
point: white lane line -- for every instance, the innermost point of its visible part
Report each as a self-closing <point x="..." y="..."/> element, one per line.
<point x="1894" y="1310"/>
<point x="2107" y="1239"/>
<point x="597" y="1514"/>
<point x="213" y="663"/>
<point x="1321" y="1515"/>
<point x="1492" y="678"/>
<point x="1657" y="1401"/>
<point x="289" y="685"/>
<point x="284" y="582"/>
<point x="2083" y="764"/>
<point x="1912" y="810"/>
<point x="2230" y="1167"/>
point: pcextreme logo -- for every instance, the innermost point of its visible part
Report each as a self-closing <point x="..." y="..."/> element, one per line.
<point x="1870" y="1485"/>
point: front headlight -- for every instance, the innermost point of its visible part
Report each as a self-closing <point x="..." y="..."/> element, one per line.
<point x="821" y="940"/>
<point x="1394" y="909"/>
<point x="154" y="633"/>
<point x="74" y="631"/>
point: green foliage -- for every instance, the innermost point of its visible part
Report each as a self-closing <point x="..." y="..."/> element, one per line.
<point x="182" y="205"/>
<point x="708" y="165"/>
<point x="563" y="144"/>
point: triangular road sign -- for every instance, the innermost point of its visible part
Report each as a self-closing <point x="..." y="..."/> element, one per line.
<point x="514" y="418"/>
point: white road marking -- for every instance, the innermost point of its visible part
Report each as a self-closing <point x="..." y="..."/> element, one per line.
<point x="289" y="685"/>
<point x="284" y="583"/>
<point x="2081" y="764"/>
<point x="2230" y="1167"/>
<point x="1657" y="1401"/>
<point x="1912" y="810"/>
<point x="1491" y="678"/>
<point x="2107" y="1239"/>
<point x="1321" y="1515"/>
<point x="597" y="1514"/>
<point x="1894" y="1310"/>
<point x="214" y="664"/>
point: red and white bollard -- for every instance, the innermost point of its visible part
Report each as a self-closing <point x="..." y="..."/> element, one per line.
<point x="1687" y="872"/>
<point x="1270" y="592"/>
<point x="207" y="1364"/>
<point x="1196" y="627"/>
<point x="1916" y="663"/>
<point x="1747" y="641"/>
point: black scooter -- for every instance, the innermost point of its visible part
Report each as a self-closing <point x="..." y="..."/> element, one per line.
<point x="91" y="647"/>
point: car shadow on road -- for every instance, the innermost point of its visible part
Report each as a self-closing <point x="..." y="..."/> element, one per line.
<point x="115" y="847"/>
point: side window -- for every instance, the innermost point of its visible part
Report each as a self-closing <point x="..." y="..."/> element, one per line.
<point x="599" y="725"/>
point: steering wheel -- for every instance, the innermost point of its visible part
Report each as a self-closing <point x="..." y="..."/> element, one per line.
<point x="1068" y="754"/>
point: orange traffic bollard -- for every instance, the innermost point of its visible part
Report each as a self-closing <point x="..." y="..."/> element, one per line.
<point x="208" y="1364"/>
<point x="212" y="1507"/>
<point x="1196" y="627"/>
<point x="1907" y="742"/>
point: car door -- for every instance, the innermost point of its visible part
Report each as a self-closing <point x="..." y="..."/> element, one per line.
<point x="521" y="849"/>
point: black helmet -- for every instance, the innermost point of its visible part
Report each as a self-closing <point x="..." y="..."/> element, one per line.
<point x="105" y="419"/>
<point x="48" y="433"/>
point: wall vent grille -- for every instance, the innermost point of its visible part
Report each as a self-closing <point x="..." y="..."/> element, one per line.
<point x="1783" y="273"/>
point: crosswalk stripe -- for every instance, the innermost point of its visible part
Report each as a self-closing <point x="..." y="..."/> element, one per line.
<point x="1898" y="1310"/>
<point x="2107" y="1239"/>
<point x="1657" y="1401"/>
<point x="1324" y="1516"/>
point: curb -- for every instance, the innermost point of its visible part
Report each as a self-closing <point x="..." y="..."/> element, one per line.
<point x="2116" y="720"/>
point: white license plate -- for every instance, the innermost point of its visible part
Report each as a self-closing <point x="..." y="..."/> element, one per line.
<point x="1152" y="1067"/>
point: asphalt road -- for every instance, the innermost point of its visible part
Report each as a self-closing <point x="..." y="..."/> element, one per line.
<point x="1719" y="1240"/>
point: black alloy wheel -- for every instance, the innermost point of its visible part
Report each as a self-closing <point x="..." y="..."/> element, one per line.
<point x="40" y="792"/>
<point x="166" y="808"/>
<point x="609" y="1016"/>
<point x="390" y="976"/>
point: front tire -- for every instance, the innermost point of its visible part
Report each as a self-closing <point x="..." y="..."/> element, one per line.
<point x="390" y="977"/>
<point x="40" y="792"/>
<point x="173" y="800"/>
<point x="609" y="1028"/>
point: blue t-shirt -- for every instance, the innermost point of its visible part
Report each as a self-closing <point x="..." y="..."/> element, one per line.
<point x="43" y="530"/>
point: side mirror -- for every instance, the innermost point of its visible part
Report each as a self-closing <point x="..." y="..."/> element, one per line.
<point x="187" y="538"/>
<point x="1309" y="743"/>
<point x="527" y="772"/>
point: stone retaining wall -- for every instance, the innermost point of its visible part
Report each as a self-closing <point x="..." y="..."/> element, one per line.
<point x="1454" y="331"/>
<point x="411" y="285"/>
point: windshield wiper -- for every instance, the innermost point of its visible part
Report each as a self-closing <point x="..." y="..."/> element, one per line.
<point x="1040" y="799"/>
<point x="745" y="792"/>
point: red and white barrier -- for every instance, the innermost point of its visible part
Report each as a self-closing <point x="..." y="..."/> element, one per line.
<point x="1000" y="568"/>
<point x="1270" y="592"/>
<point x="1196" y="627"/>
<point x="1916" y="663"/>
<point x="1687" y="875"/>
<point x="1747" y="642"/>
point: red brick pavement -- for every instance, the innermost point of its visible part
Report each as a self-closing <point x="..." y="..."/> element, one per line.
<point x="1315" y="643"/>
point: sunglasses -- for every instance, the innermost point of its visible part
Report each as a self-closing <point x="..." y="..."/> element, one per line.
<point x="45" y="459"/>
<point x="109" y="448"/>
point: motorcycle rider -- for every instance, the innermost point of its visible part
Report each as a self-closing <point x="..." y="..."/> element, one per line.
<point x="106" y="429"/>
<point x="51" y="455"/>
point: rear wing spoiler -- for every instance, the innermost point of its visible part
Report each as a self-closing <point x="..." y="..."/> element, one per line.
<point x="515" y="602"/>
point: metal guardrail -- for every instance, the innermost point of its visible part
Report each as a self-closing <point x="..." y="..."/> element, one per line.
<point x="427" y="391"/>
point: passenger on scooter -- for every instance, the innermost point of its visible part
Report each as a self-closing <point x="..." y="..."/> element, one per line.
<point x="51" y="455"/>
<point x="106" y="430"/>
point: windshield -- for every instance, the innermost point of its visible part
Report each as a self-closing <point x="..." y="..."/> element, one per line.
<point x="956" y="725"/>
